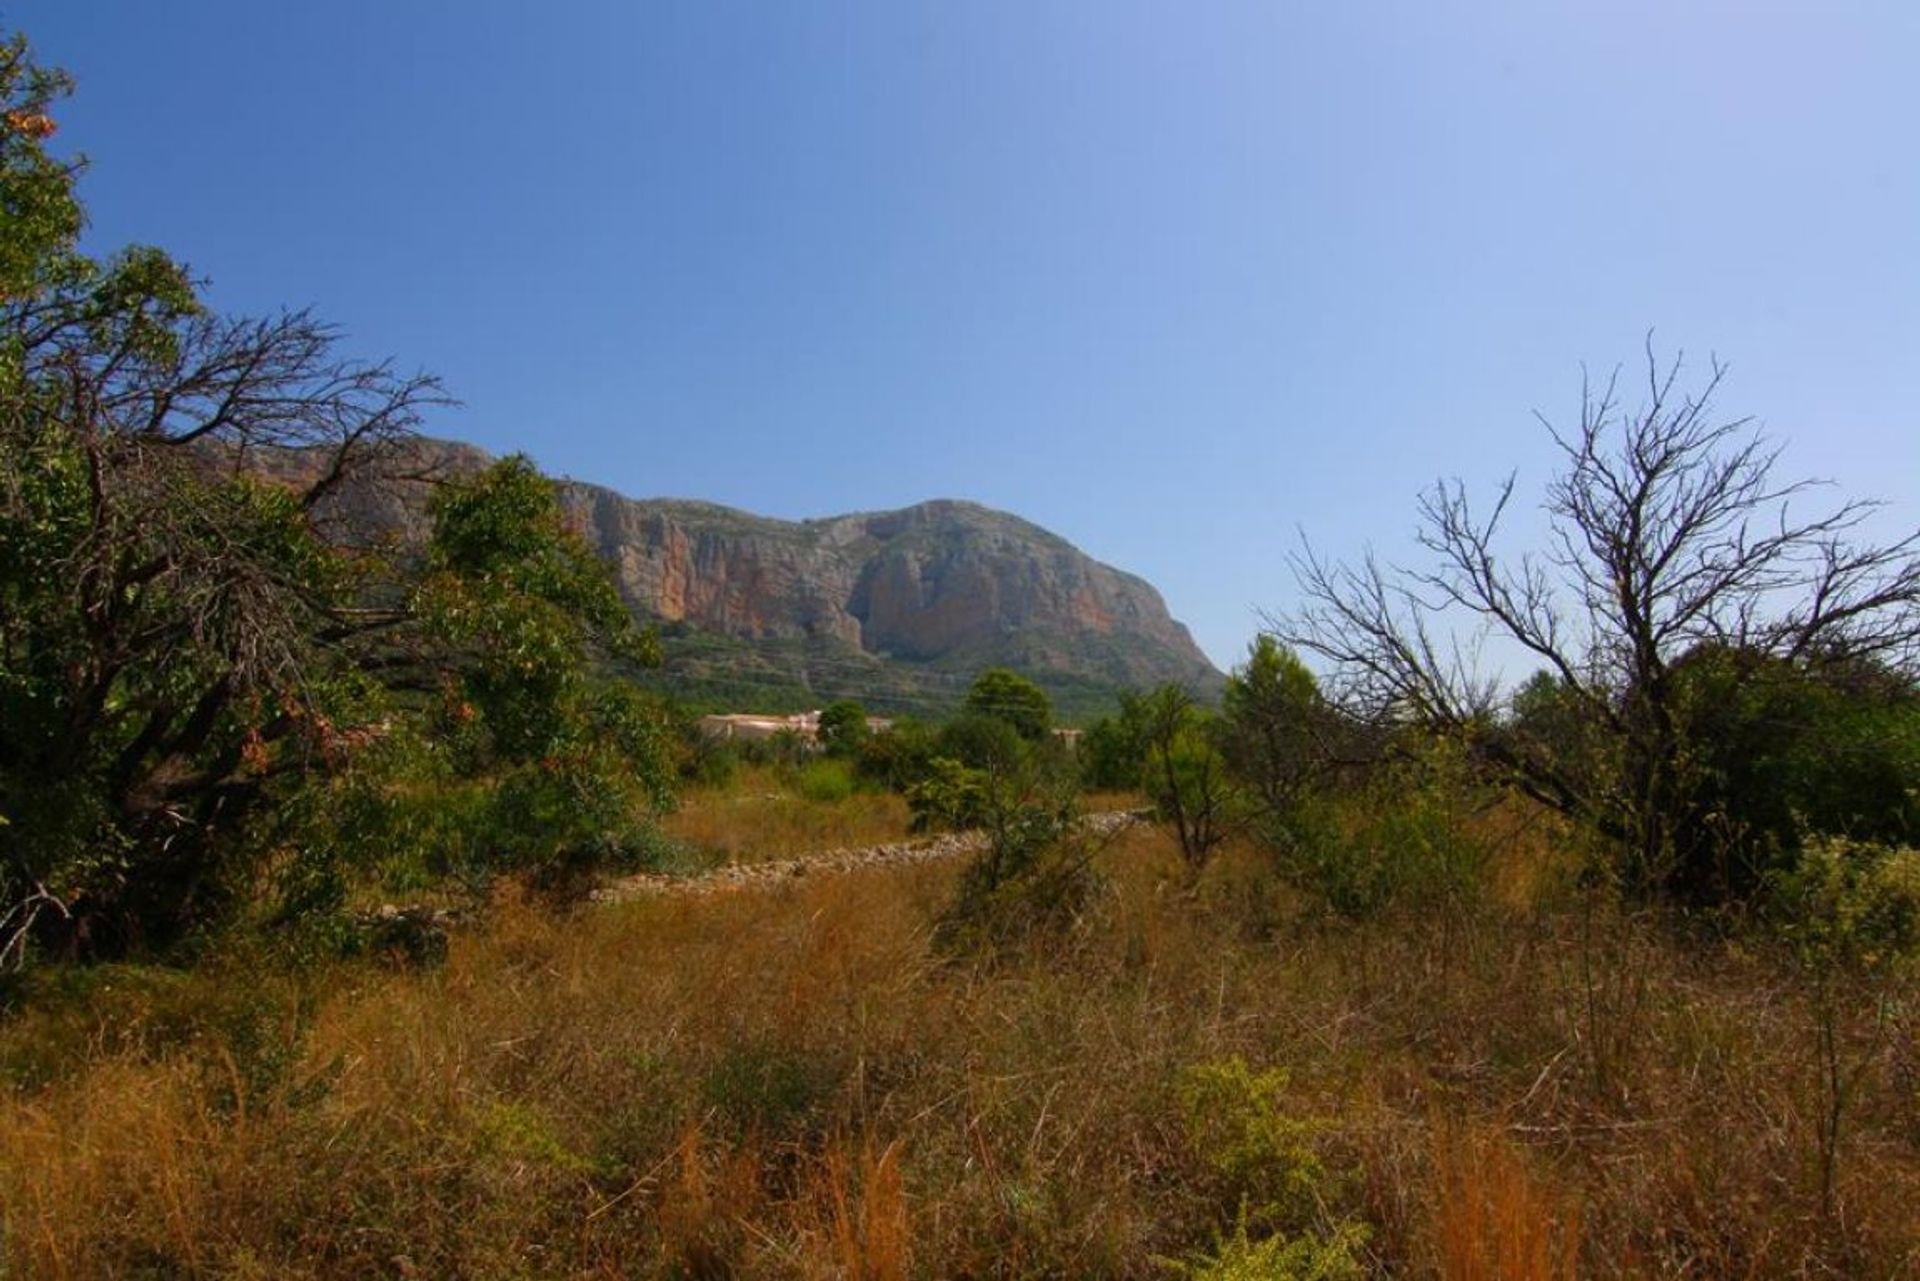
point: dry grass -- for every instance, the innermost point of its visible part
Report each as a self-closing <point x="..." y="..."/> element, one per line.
<point x="790" y="1083"/>
<point x="1495" y="1219"/>
<point x="763" y="815"/>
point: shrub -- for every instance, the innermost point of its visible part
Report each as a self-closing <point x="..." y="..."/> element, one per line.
<point x="843" y="727"/>
<point x="1035" y="878"/>
<point x="1280" y="1257"/>
<point x="1264" y="1157"/>
<point x="1266" y="1163"/>
<point x="1400" y="840"/>
<point x="899" y="756"/>
<point x="950" y="798"/>
<point x="828" y="781"/>
<point x="1852" y="906"/>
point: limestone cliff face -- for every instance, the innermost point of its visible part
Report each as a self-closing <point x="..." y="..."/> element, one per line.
<point x="942" y="581"/>
<point x="947" y="583"/>
<point x="718" y="569"/>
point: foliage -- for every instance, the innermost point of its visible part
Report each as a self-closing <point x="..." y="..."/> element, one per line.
<point x="1112" y="753"/>
<point x="529" y="758"/>
<point x="1035" y="878"/>
<point x="185" y="659"/>
<point x="899" y="755"/>
<point x="520" y="605"/>
<point x="175" y="641"/>
<point x="1011" y="697"/>
<point x="1779" y="751"/>
<point x="984" y="742"/>
<point x="1852" y="906"/>
<point x="1276" y="731"/>
<point x="1185" y="774"/>
<point x="1851" y="912"/>
<point x="1668" y="536"/>
<point x="1398" y="840"/>
<point x="40" y="220"/>
<point x="826" y="781"/>
<point x="1265" y="1157"/>
<point x="1307" y="1257"/>
<point x="950" y="797"/>
<point x="843" y="727"/>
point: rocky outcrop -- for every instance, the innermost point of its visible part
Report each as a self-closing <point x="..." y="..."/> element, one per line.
<point x="945" y="583"/>
<point x="942" y="581"/>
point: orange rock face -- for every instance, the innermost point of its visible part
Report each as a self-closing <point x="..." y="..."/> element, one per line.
<point x="941" y="581"/>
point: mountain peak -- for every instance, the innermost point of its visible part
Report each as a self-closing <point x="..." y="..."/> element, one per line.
<point x="848" y="604"/>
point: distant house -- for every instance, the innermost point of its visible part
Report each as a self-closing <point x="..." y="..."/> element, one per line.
<point x="752" y="727"/>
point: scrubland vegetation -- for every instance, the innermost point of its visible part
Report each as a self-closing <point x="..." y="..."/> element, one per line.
<point x="1511" y="1079"/>
<point x="1408" y="975"/>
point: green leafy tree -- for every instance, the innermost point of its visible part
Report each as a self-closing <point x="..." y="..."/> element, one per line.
<point x="843" y="727"/>
<point x="1011" y="697"/>
<point x="525" y="632"/>
<point x="175" y="640"/>
<point x="40" y="219"/>
<point x="1186" y="775"/>
<point x="520" y="608"/>
<point x="182" y="653"/>
<point x="899" y="755"/>
<point x="1112" y="754"/>
<point x="983" y="742"/>
<point x="1275" y="730"/>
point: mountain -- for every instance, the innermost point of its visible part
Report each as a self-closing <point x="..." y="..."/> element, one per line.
<point x="900" y="609"/>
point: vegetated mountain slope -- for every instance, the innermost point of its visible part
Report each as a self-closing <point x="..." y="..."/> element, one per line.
<point x="898" y="608"/>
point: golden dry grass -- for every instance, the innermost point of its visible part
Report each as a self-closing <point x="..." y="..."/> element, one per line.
<point x="762" y="815"/>
<point x="791" y="1083"/>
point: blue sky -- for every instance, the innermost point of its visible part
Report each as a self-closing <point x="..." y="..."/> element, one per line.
<point x="1174" y="280"/>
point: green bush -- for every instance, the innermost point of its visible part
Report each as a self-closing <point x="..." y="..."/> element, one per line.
<point x="1400" y="840"/>
<point x="898" y="757"/>
<point x="827" y="781"/>
<point x="1034" y="880"/>
<point x="1852" y="906"/>
<point x="1265" y="1158"/>
<point x="951" y="797"/>
<point x="843" y="727"/>
<point x="1307" y="1257"/>
<point x="1113" y="751"/>
<point x="1779" y="755"/>
<point x="1265" y="1162"/>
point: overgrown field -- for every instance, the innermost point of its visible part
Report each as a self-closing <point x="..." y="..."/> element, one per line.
<point x="796" y="1082"/>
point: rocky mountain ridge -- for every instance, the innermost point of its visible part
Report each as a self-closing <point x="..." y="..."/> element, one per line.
<point x="942" y="588"/>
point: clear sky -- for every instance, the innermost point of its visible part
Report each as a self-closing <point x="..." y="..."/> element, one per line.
<point x="1174" y="280"/>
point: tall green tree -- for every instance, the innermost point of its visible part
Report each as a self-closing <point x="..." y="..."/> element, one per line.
<point x="1112" y="752"/>
<point x="173" y="636"/>
<point x="1006" y="695"/>
<point x="1186" y="775"/>
<point x="178" y="644"/>
<point x="843" y="727"/>
<point x="1275" y="729"/>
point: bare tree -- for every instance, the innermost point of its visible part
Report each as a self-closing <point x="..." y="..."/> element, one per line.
<point x="1668" y="533"/>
